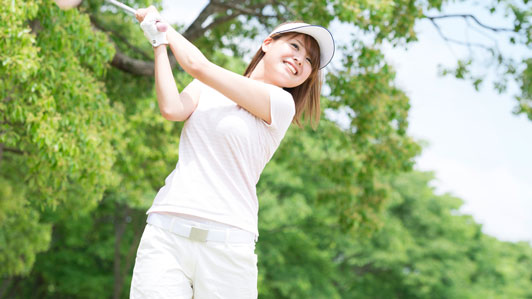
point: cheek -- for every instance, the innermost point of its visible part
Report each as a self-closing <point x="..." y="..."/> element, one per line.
<point x="268" y="61"/>
<point x="306" y="72"/>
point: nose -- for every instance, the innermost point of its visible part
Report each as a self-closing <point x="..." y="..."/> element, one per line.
<point x="297" y="60"/>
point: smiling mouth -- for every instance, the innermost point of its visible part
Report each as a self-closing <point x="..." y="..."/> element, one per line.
<point x="291" y="68"/>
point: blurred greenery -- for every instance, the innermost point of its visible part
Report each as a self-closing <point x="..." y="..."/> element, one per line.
<point x="83" y="151"/>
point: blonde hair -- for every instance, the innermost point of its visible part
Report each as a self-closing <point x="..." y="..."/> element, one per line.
<point x="307" y="94"/>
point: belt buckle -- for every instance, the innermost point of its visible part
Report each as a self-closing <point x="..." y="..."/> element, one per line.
<point x="198" y="234"/>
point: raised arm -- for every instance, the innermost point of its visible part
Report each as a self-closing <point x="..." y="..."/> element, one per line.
<point x="250" y="94"/>
<point x="173" y="106"/>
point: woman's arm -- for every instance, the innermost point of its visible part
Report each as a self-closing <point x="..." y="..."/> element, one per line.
<point x="252" y="95"/>
<point x="173" y="106"/>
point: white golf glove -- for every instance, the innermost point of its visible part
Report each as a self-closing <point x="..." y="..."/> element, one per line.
<point x="155" y="36"/>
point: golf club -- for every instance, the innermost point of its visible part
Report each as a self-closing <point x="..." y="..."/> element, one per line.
<point x="66" y="4"/>
<point x="122" y="6"/>
<point x="160" y="26"/>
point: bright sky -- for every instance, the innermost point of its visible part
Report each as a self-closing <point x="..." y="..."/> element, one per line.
<point x="478" y="149"/>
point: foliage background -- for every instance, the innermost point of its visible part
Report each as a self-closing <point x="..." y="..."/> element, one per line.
<point x="83" y="151"/>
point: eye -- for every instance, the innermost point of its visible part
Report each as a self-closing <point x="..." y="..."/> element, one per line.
<point x="295" y="46"/>
<point x="309" y="61"/>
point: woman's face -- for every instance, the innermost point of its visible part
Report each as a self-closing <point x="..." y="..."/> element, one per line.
<point x="287" y="61"/>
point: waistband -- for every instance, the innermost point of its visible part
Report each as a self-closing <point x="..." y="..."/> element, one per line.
<point x="200" y="232"/>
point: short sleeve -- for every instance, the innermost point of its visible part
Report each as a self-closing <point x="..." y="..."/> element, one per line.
<point x="282" y="110"/>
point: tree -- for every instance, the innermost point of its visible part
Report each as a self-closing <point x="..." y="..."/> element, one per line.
<point x="83" y="148"/>
<point x="55" y="132"/>
<point x="498" y="55"/>
<point x="425" y="248"/>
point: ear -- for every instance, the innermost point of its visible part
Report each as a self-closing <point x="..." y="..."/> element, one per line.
<point x="267" y="44"/>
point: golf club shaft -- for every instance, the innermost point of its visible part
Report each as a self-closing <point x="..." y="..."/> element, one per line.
<point x="122" y="6"/>
<point x="162" y="27"/>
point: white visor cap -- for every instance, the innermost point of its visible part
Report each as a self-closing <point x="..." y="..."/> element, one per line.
<point x="320" y="34"/>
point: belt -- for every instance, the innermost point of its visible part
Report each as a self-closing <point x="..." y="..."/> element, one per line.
<point x="172" y="224"/>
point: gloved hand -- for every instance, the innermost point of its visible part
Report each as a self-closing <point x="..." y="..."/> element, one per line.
<point x="149" y="26"/>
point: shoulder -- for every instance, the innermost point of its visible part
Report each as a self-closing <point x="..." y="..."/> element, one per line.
<point x="279" y="96"/>
<point x="282" y="108"/>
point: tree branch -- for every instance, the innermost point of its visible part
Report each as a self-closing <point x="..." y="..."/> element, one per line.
<point x="251" y="11"/>
<point x="466" y="16"/>
<point x="35" y="26"/>
<point x="198" y="28"/>
<point x="468" y="44"/>
<point x="141" y="67"/>
<point x="128" y="64"/>
<point x="367" y="268"/>
<point x="99" y="26"/>
<point x="12" y="150"/>
<point x="131" y="65"/>
<point x="219" y="21"/>
<point x="195" y="29"/>
<point x="8" y="98"/>
<point x="286" y="7"/>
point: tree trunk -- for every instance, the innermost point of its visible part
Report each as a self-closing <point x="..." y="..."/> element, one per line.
<point x="120" y="227"/>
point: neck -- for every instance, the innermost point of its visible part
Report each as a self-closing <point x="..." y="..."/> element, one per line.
<point x="259" y="73"/>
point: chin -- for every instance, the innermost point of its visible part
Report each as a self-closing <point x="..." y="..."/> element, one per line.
<point x="284" y="84"/>
<point x="284" y="79"/>
<point x="292" y="84"/>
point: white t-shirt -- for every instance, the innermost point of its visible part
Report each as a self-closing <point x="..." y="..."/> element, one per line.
<point x="222" y="152"/>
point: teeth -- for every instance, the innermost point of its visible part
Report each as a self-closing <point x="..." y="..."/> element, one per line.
<point x="291" y="68"/>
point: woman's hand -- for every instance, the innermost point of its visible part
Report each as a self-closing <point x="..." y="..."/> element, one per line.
<point x="141" y="13"/>
<point x="153" y="25"/>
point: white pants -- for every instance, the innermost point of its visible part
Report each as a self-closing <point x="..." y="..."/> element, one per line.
<point x="172" y="266"/>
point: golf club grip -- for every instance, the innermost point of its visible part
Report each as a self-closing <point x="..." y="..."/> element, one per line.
<point x="162" y="27"/>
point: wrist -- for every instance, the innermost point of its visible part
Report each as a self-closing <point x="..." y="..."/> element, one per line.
<point x="159" y="48"/>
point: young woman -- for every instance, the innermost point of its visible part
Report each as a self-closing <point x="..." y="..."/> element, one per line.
<point x="202" y="227"/>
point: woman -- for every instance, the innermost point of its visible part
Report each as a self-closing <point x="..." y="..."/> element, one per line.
<point x="202" y="227"/>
